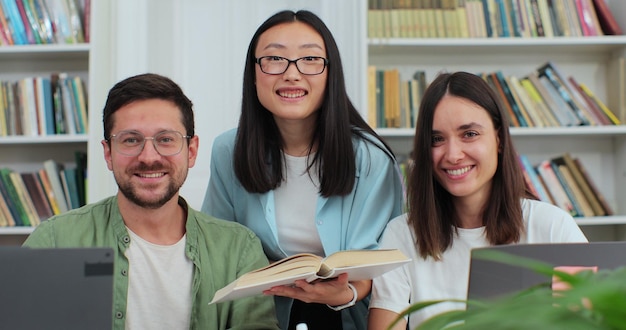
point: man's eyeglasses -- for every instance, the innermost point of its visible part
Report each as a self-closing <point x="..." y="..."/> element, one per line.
<point x="131" y="143"/>
<point x="308" y="65"/>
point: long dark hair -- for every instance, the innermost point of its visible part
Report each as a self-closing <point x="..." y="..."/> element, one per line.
<point x="258" y="159"/>
<point x="432" y="215"/>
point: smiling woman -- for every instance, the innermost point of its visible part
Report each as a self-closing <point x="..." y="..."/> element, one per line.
<point x="465" y="191"/>
<point x="290" y="170"/>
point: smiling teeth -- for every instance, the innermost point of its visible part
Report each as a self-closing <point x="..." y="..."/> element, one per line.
<point x="152" y="175"/>
<point x="459" y="171"/>
<point x="292" y="94"/>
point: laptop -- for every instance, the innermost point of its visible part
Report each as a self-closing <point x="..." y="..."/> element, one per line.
<point x="65" y="288"/>
<point x="490" y="279"/>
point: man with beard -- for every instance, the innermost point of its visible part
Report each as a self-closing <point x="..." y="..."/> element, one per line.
<point x="170" y="259"/>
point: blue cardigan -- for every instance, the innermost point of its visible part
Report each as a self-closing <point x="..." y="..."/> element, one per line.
<point x="353" y="221"/>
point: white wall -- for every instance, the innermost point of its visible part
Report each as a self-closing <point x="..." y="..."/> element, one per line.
<point x="201" y="44"/>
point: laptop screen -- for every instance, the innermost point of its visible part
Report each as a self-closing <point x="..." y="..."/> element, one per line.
<point x="68" y="288"/>
<point x="490" y="279"/>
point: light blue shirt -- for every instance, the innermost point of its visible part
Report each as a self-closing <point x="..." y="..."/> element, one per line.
<point x="353" y="221"/>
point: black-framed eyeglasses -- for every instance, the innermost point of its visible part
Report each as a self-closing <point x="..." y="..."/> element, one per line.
<point x="131" y="143"/>
<point x="308" y="65"/>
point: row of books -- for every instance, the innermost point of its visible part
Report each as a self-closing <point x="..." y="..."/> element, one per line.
<point x="29" y="22"/>
<point x="28" y="198"/>
<point x="489" y="18"/>
<point x="545" y="97"/>
<point x="564" y="181"/>
<point x="392" y="101"/>
<point x="38" y="106"/>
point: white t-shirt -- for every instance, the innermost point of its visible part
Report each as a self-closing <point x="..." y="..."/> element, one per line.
<point x="422" y="280"/>
<point x="296" y="202"/>
<point x="159" y="285"/>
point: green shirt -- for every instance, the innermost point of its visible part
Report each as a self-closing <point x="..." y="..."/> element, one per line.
<point x="220" y="250"/>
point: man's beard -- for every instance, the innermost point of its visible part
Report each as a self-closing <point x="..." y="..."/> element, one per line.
<point x="129" y="191"/>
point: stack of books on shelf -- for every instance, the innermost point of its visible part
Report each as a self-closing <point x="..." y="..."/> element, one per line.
<point x="28" y="198"/>
<point x="40" y="106"/>
<point x="544" y="97"/>
<point x="489" y="18"/>
<point x="30" y="22"/>
<point x="547" y="98"/>
<point x="564" y="181"/>
<point x="393" y="102"/>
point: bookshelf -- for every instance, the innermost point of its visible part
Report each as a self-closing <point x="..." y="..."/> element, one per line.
<point x="594" y="60"/>
<point x="27" y="153"/>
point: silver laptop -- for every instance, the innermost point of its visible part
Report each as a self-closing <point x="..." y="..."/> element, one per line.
<point x="69" y="288"/>
<point x="489" y="279"/>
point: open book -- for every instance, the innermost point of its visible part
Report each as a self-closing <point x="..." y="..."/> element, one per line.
<point x="358" y="264"/>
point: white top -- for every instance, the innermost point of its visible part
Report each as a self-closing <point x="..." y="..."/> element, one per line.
<point x="295" y="201"/>
<point x="159" y="285"/>
<point x="422" y="280"/>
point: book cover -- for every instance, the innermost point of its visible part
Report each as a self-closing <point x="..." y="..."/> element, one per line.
<point x="568" y="189"/>
<point x="71" y="187"/>
<point x="42" y="15"/>
<point x="567" y="160"/>
<point x="30" y="35"/>
<point x="14" y="20"/>
<point x="608" y="210"/>
<point x="514" y="91"/>
<point x="53" y="170"/>
<point x="5" y="29"/>
<point x="11" y="202"/>
<point x="31" y="21"/>
<point x="77" y="89"/>
<point x="540" y="105"/>
<point x="371" y="96"/>
<point x="25" y="199"/>
<point x="555" y="78"/>
<point x="7" y="216"/>
<point x="13" y="198"/>
<point x="599" y="117"/>
<point x="554" y="187"/>
<point x="607" y="21"/>
<point x="510" y="99"/>
<point x="578" y="196"/>
<point x="42" y="175"/>
<point x="492" y="81"/>
<point x="37" y="195"/>
<point x="540" y="189"/>
<point x="67" y="104"/>
<point x="358" y="264"/>
<point x="612" y="117"/>
<point x="534" y="117"/>
<point x="550" y="96"/>
<point x="80" y="158"/>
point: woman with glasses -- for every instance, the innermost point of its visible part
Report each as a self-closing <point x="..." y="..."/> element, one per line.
<point x="303" y="170"/>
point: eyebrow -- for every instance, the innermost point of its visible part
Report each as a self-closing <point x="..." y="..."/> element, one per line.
<point x="305" y="46"/>
<point x="463" y="127"/>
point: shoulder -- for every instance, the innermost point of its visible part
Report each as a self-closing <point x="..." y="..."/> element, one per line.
<point x="76" y="227"/>
<point x="219" y="228"/>
<point x="548" y="223"/>
<point x="371" y="148"/>
<point x="533" y="209"/>
<point x="226" y="138"/>
<point x="94" y="211"/>
<point x="399" y="223"/>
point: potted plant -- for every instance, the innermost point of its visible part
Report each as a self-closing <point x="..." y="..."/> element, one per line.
<point x="594" y="300"/>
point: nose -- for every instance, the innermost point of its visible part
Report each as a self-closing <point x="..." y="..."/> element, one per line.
<point x="454" y="151"/>
<point x="148" y="151"/>
<point x="292" y="72"/>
